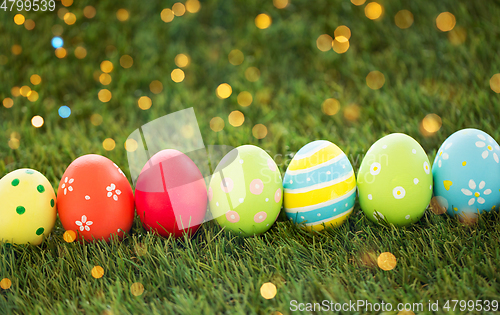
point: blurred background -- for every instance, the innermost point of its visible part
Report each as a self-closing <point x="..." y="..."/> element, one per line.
<point x="274" y="73"/>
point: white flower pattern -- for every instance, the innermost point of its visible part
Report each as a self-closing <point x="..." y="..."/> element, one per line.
<point x="476" y="193"/>
<point x="488" y="148"/>
<point x="67" y="187"/>
<point x="84" y="224"/>
<point x="112" y="192"/>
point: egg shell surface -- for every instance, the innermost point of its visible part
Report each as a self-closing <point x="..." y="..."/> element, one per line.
<point x="171" y="195"/>
<point x="245" y="192"/>
<point x="28" y="207"/>
<point x="395" y="180"/>
<point x="466" y="173"/>
<point x="319" y="186"/>
<point x="95" y="198"/>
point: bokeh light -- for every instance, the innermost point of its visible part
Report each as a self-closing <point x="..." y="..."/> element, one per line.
<point x="457" y="36"/>
<point x="495" y="83"/>
<point x="445" y="21"/>
<point x="108" y="144"/>
<point x="324" y="42"/>
<point x="60" y="52"/>
<point x="330" y="106"/>
<point x="17" y="49"/>
<point x="25" y="90"/>
<point x="373" y="10"/>
<point x="268" y="290"/>
<point x="106" y="66"/>
<point x="96" y="119"/>
<point x="57" y="42"/>
<point x="340" y="45"/>
<point x="105" y="79"/>
<point x="126" y="61"/>
<point x="375" y="80"/>
<point x="252" y="74"/>
<point x="80" y="52"/>
<point x="236" y="118"/>
<point x="217" y="124"/>
<point x="193" y="6"/>
<point x="89" y="12"/>
<point x="15" y="91"/>
<point x="179" y="9"/>
<point x="97" y="272"/>
<point x="403" y="19"/>
<point x="386" y="261"/>
<point x="263" y="21"/>
<point x="29" y="24"/>
<point x="245" y="99"/>
<point x="177" y="75"/>
<point x="131" y="145"/>
<point x="37" y="121"/>
<point x="69" y="236"/>
<point x="236" y="57"/>
<point x="430" y="125"/>
<point x="69" y="18"/>
<point x="280" y="4"/>
<point x="104" y="95"/>
<point x="342" y="33"/>
<point x="144" y="102"/>
<point x="57" y="30"/>
<point x="259" y="131"/>
<point x="5" y="283"/>
<point x="358" y="2"/>
<point x="122" y="15"/>
<point x="8" y="102"/>
<point x="61" y="12"/>
<point x="352" y="112"/>
<point x="167" y="15"/>
<point x="137" y="289"/>
<point x="156" y="87"/>
<point x="32" y="96"/>
<point x="14" y="143"/>
<point x="35" y="79"/>
<point x="19" y="19"/>
<point x="223" y="91"/>
<point x="66" y="3"/>
<point x="181" y="60"/>
<point x="64" y="111"/>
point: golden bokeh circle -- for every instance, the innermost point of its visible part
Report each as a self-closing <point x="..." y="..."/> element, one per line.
<point x="8" y="102"/>
<point x="252" y="74"/>
<point x="35" y="79"/>
<point x="358" y="2"/>
<point x="104" y="95"/>
<point x="259" y="131"/>
<point x="33" y="96"/>
<point x="89" y="12"/>
<point x="403" y="19"/>
<point x="25" y="90"/>
<point x="60" y="52"/>
<point x="181" y="60"/>
<point x="431" y="124"/>
<point x="66" y="3"/>
<point x="29" y="24"/>
<point x="268" y="290"/>
<point x="156" y="87"/>
<point x="144" y="103"/>
<point x="179" y="9"/>
<point x="167" y="15"/>
<point x="122" y="15"/>
<point x="19" y="19"/>
<point x="17" y="49"/>
<point x="352" y="112"/>
<point x="342" y="31"/>
<point x="105" y="79"/>
<point x="69" y="236"/>
<point x="263" y="21"/>
<point x="14" y="143"/>
<point x="37" y="121"/>
<point x="69" y="18"/>
<point x="5" y="283"/>
<point x="96" y="119"/>
<point x="137" y="289"/>
<point x="217" y="124"/>
<point x="245" y="99"/>
<point x="108" y="144"/>
<point x="457" y="35"/>
<point x="97" y="272"/>
<point x="324" y="42"/>
<point x="375" y="80"/>
<point x="373" y="10"/>
<point x="223" y="91"/>
<point x="80" y="52"/>
<point x="131" y="145"/>
<point x="126" y="61"/>
<point x="340" y="45"/>
<point x="236" y="57"/>
<point x="193" y="6"/>
<point x="330" y="106"/>
<point x="280" y="4"/>
<point x="386" y="261"/>
<point x="106" y="66"/>
<point x="177" y="75"/>
<point x="445" y="21"/>
<point x="236" y="118"/>
<point x="495" y="83"/>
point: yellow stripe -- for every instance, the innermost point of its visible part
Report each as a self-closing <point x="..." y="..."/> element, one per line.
<point x="319" y="157"/>
<point x="333" y="223"/>
<point x="319" y="195"/>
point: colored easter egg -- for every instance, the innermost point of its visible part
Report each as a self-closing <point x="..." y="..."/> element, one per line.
<point x="466" y="173"/>
<point x="28" y="207"/>
<point x="170" y="194"/>
<point x="320" y="186"/>
<point x="95" y="198"/>
<point x="395" y="180"/>
<point x="245" y="192"/>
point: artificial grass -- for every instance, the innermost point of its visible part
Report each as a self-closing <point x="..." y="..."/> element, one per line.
<point x="215" y="272"/>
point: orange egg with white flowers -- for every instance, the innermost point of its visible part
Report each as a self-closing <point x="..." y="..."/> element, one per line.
<point x="95" y="199"/>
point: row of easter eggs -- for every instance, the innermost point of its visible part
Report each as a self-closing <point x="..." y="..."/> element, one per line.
<point x="394" y="183"/>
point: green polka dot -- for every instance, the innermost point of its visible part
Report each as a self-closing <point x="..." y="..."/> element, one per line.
<point x="29" y="172"/>
<point x="40" y="188"/>
<point x="20" y="210"/>
<point x="40" y="231"/>
<point x="52" y="203"/>
<point x="15" y="182"/>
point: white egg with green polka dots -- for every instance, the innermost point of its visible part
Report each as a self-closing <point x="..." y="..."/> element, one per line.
<point x="28" y="207"/>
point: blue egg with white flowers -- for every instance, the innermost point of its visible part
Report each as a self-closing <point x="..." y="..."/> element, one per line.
<point x="466" y="173"/>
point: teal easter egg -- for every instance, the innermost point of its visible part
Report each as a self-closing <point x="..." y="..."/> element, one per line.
<point x="245" y="191"/>
<point x="466" y="173"/>
<point x="319" y="186"/>
<point x="395" y="180"/>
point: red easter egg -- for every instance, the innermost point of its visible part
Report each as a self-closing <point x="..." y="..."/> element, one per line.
<point x="95" y="198"/>
<point x="170" y="195"/>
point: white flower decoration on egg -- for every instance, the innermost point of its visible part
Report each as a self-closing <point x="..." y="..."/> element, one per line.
<point x="84" y="224"/>
<point x="399" y="192"/>
<point x="427" y="169"/>
<point x="112" y="192"/>
<point x="375" y="168"/>
<point x="488" y="148"/>
<point x="68" y="187"/>
<point x="477" y="194"/>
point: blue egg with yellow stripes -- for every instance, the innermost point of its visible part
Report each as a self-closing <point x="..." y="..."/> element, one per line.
<point x="320" y="186"/>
